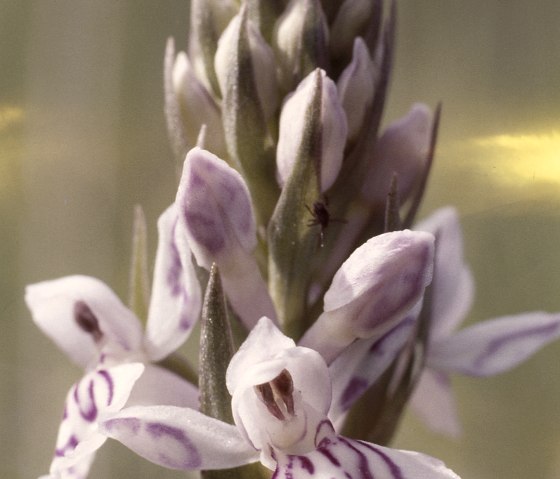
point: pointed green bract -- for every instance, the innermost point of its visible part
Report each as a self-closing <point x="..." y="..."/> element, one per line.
<point x="292" y="240"/>
<point x="139" y="285"/>
<point x="245" y="128"/>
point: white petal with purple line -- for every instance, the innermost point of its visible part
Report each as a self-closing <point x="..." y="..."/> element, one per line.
<point x="59" y="307"/>
<point x="176" y="295"/>
<point x="179" y="438"/>
<point x="100" y="392"/>
<point x="494" y="346"/>
<point x="343" y="458"/>
<point x="362" y="363"/>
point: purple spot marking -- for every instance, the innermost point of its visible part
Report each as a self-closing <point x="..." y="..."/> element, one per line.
<point x="131" y="423"/>
<point x="498" y="343"/>
<point x="353" y="391"/>
<point x="306" y="464"/>
<point x="191" y="460"/>
<point x="110" y="385"/>
<point x="205" y="231"/>
<point x="68" y="447"/>
<point x="196" y="181"/>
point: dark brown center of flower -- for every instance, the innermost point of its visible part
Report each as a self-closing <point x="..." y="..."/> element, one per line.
<point x="87" y="321"/>
<point x="277" y="395"/>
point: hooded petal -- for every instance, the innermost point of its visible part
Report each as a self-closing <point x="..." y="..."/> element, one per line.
<point x="373" y="290"/>
<point x="434" y="403"/>
<point x="82" y="315"/>
<point x="176" y="296"/>
<point x="494" y="346"/>
<point x="100" y="392"/>
<point x="343" y="458"/>
<point x="179" y="438"/>
<point x="215" y="206"/>
<point x="453" y="284"/>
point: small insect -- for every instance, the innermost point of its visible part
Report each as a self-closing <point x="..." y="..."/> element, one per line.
<point x="321" y="218"/>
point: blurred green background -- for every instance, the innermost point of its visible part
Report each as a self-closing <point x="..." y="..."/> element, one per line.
<point x="82" y="140"/>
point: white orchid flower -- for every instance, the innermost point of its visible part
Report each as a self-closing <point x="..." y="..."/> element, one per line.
<point x="100" y="334"/>
<point x="281" y="395"/>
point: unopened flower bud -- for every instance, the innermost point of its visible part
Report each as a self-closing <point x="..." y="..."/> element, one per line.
<point x="298" y="56"/>
<point x="262" y="62"/>
<point x="356" y="87"/>
<point x="401" y="149"/>
<point x="351" y="21"/>
<point x="196" y="106"/>
<point x="373" y="290"/>
<point x="294" y="122"/>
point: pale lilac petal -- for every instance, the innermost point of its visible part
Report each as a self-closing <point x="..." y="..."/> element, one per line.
<point x="401" y="149"/>
<point x="159" y="386"/>
<point x="99" y="392"/>
<point x="452" y="289"/>
<point x="215" y="206"/>
<point x="343" y="458"/>
<point x="494" y="346"/>
<point x="362" y="363"/>
<point x="433" y="401"/>
<point x="57" y="307"/>
<point x="179" y="438"/>
<point x="373" y="290"/>
<point x="176" y="295"/>
<point x="334" y="128"/>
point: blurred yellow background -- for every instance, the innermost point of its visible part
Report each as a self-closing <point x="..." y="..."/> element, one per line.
<point x="82" y="139"/>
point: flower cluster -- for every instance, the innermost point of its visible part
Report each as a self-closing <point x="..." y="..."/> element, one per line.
<point x="294" y="225"/>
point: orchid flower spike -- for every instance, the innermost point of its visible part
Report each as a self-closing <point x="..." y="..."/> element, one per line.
<point x="281" y="395"/>
<point x="99" y="333"/>
<point x="487" y="348"/>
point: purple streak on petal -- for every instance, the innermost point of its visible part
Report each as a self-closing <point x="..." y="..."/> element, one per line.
<point x="306" y="464"/>
<point x="158" y="431"/>
<point x="376" y="349"/>
<point x="328" y="454"/>
<point x="175" y="270"/>
<point x="321" y="436"/>
<point x="393" y="468"/>
<point x="353" y="390"/>
<point x="110" y="385"/>
<point x="365" y="472"/>
<point x="205" y="231"/>
<point x="498" y="343"/>
<point x="130" y="423"/>
<point x="68" y="447"/>
<point x="90" y="413"/>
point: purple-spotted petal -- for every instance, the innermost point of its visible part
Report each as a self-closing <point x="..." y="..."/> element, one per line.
<point x="494" y="346"/>
<point x="343" y="458"/>
<point x="453" y="284"/>
<point x="160" y="386"/>
<point x="176" y="295"/>
<point x="82" y="315"/>
<point x="362" y="363"/>
<point x="373" y="290"/>
<point x="179" y="438"/>
<point x="434" y="403"/>
<point x="99" y="392"/>
<point x="215" y="206"/>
